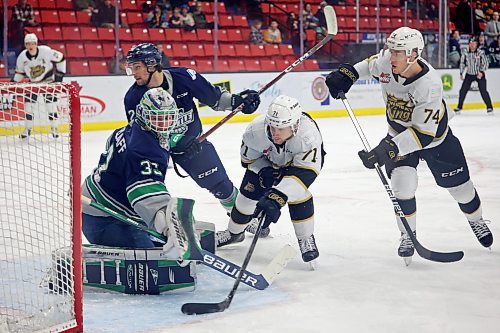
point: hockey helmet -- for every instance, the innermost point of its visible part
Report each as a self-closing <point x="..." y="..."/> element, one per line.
<point x="283" y="112"/>
<point x="30" y="38"/>
<point x="157" y="112"/>
<point x="406" y="39"/>
<point x="147" y="53"/>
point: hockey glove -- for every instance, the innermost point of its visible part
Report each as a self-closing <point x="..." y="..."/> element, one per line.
<point x="269" y="176"/>
<point x="58" y="76"/>
<point x="249" y="98"/>
<point x="384" y="152"/>
<point x="270" y="204"/>
<point x="341" y="80"/>
<point x="187" y="145"/>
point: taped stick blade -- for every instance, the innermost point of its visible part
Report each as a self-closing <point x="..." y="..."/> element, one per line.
<point x="331" y="20"/>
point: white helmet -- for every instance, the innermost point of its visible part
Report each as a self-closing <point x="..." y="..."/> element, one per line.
<point x="157" y="112"/>
<point x="30" y="38"/>
<point x="284" y="112"/>
<point x="406" y="39"/>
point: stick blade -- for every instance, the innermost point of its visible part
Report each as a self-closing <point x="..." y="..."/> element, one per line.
<point x="331" y="20"/>
<point x="439" y="256"/>
<point x="204" y="308"/>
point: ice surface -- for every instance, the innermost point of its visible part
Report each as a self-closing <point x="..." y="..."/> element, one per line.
<point x="361" y="285"/>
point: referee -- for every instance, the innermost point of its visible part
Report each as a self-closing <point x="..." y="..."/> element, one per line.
<point x="476" y="63"/>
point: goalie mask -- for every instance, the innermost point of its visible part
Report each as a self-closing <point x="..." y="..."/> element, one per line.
<point x="157" y="112"/>
<point x="283" y="112"/>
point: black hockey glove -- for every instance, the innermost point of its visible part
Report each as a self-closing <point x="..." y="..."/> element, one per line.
<point x="187" y="145"/>
<point x="269" y="176"/>
<point x="341" y="80"/>
<point x="385" y="151"/>
<point x="270" y="204"/>
<point x="249" y="98"/>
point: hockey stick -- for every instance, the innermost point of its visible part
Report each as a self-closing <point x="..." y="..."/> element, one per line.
<point x="331" y="24"/>
<point x="202" y="308"/>
<point x="421" y="250"/>
<point x="257" y="281"/>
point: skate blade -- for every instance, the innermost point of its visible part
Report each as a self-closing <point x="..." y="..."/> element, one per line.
<point x="407" y="260"/>
<point x="313" y="265"/>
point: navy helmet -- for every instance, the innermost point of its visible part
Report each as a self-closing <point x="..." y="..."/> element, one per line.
<point x="147" y="53"/>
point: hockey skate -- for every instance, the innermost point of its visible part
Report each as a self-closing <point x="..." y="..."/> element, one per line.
<point x="482" y="232"/>
<point x="489" y="111"/>
<point x="406" y="249"/>
<point x="457" y="110"/>
<point x="54" y="133"/>
<point x="25" y="134"/>
<point x="252" y="228"/>
<point x="225" y="237"/>
<point x="308" y="249"/>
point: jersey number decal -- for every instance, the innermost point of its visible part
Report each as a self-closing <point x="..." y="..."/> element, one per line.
<point x="314" y="151"/>
<point x="434" y="117"/>
<point x="105" y="158"/>
<point x="150" y="168"/>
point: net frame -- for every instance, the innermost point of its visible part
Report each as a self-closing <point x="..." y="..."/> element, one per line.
<point x="11" y="124"/>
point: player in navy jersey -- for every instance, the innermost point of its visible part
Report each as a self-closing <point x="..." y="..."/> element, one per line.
<point x="130" y="177"/>
<point x="199" y="160"/>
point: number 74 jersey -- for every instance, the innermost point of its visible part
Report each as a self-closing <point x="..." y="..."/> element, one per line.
<point x="304" y="150"/>
<point x="415" y="110"/>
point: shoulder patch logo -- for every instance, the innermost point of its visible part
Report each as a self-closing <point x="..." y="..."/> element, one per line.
<point x="192" y="73"/>
<point x="385" y="77"/>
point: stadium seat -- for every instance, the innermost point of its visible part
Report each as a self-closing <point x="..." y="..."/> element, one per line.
<point x="49" y="17"/>
<point x="189" y="36"/>
<point x="93" y="50"/>
<point x="242" y="50"/>
<point x="35" y="30"/>
<point x="226" y="20"/>
<point x="180" y="51"/>
<point x="83" y="18"/>
<point x="234" y="35"/>
<point x="97" y="67"/>
<point x="58" y="46"/>
<point x="64" y="4"/>
<point x="140" y="34"/>
<point x="252" y="65"/>
<point x="227" y="50"/>
<point x="189" y="63"/>
<point x="271" y="49"/>
<point x="157" y="35"/>
<point x="68" y="17"/>
<point x="75" y="50"/>
<point x="222" y="35"/>
<point x="209" y="50"/>
<point x="240" y="21"/>
<point x="223" y="66"/>
<point x="108" y="49"/>
<point x="135" y="19"/>
<point x="311" y="64"/>
<point x="89" y="33"/>
<point x="205" y="35"/>
<point x="71" y="33"/>
<point x="205" y="66"/>
<point x="52" y="33"/>
<point x="78" y="67"/>
<point x="236" y="65"/>
<point x="125" y="35"/>
<point x="196" y="50"/>
<point x="281" y="64"/>
<point x="268" y="65"/>
<point x="257" y="51"/>
<point x="169" y="50"/>
<point x="174" y="35"/>
<point x="47" y="4"/>
<point x="286" y="49"/>
<point x="106" y="34"/>
<point x="129" y="5"/>
<point x="221" y="7"/>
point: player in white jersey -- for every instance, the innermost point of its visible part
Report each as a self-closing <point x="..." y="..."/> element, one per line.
<point x="283" y="154"/>
<point x="418" y="129"/>
<point x="39" y="63"/>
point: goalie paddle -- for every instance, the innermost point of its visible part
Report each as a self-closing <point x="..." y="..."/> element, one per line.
<point x="331" y="27"/>
<point x="421" y="250"/>
<point x="203" y="308"/>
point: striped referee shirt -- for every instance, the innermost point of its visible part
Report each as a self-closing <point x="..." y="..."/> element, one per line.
<point x="475" y="62"/>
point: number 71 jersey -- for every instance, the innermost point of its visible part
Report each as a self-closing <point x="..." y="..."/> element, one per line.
<point x="304" y="150"/>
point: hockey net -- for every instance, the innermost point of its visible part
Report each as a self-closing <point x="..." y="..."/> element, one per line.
<point x="40" y="210"/>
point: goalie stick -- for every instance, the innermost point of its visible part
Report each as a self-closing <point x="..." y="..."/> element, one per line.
<point x="331" y="26"/>
<point x="257" y="281"/>
<point x="421" y="250"/>
<point x="203" y="308"/>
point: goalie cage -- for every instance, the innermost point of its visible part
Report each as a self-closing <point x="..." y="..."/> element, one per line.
<point x="40" y="209"/>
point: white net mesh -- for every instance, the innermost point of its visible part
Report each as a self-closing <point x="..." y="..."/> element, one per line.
<point x="36" y="209"/>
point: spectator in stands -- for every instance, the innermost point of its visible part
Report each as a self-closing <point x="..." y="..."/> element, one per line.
<point x="464" y="17"/>
<point x="273" y="35"/>
<point x="256" y="36"/>
<point x="165" y="61"/>
<point x="121" y="63"/>
<point x="432" y="12"/>
<point x="293" y="24"/>
<point x="310" y="21"/>
<point x="22" y="16"/>
<point x="175" y="20"/>
<point x="105" y="16"/>
<point x="489" y="10"/>
<point x="157" y="18"/>
<point x="320" y="15"/>
<point x="494" y="50"/>
<point x="187" y="19"/>
<point x="455" y="52"/>
<point x="85" y="5"/>
<point x="478" y="12"/>
<point x="482" y="45"/>
<point x="199" y="17"/>
<point x="492" y="30"/>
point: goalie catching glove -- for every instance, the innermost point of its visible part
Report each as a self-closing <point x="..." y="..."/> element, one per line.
<point x="270" y="204"/>
<point x="385" y="151"/>
<point x="168" y="222"/>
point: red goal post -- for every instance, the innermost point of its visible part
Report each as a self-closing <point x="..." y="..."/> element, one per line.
<point x="40" y="210"/>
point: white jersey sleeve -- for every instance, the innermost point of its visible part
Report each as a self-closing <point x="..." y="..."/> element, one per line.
<point x="371" y="66"/>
